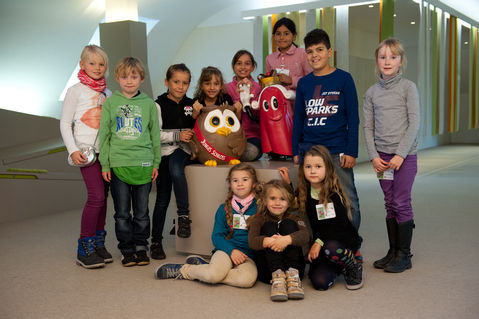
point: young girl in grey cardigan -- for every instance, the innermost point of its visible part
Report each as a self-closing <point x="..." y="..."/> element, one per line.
<point x="391" y="125"/>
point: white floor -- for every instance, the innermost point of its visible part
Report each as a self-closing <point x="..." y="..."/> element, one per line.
<point x="39" y="279"/>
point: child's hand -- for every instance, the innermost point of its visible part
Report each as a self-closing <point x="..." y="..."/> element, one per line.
<point x="280" y="242"/>
<point x="154" y="175"/>
<point x="106" y="176"/>
<point x="379" y="165"/>
<point x="285" y="79"/>
<point x="314" y="252"/>
<point x="197" y="106"/>
<point x="238" y="257"/>
<point x="296" y="159"/>
<point x="348" y="161"/>
<point x="267" y="242"/>
<point x="78" y="157"/>
<point x="238" y="108"/>
<point x="185" y="136"/>
<point x="284" y="172"/>
<point x="396" y="162"/>
<point x="243" y="81"/>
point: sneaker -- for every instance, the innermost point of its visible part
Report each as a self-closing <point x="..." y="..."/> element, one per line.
<point x="184" y="229"/>
<point x="353" y="276"/>
<point x="142" y="258"/>
<point x="156" y="251"/>
<point x="100" y="246"/>
<point x="196" y="260"/>
<point x="278" y="286"/>
<point x="293" y="282"/>
<point x="166" y="271"/>
<point x="128" y="259"/>
<point x="87" y="257"/>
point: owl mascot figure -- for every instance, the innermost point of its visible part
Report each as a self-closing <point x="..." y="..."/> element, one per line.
<point x="219" y="137"/>
<point x="276" y="119"/>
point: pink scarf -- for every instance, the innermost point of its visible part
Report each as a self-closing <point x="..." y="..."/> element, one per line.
<point x="96" y="85"/>
<point x="245" y="202"/>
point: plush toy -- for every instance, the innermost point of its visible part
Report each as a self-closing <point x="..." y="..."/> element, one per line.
<point x="276" y="120"/>
<point x="219" y="137"/>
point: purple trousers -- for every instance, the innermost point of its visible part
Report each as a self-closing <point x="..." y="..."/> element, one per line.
<point x="94" y="212"/>
<point x="397" y="192"/>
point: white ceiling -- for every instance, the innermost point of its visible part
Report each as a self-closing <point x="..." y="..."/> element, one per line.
<point x="41" y="40"/>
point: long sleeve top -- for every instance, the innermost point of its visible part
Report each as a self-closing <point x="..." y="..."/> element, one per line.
<point x="250" y="127"/>
<point x="338" y="228"/>
<point x="391" y="117"/>
<point x="129" y="132"/>
<point x="80" y="119"/>
<point x="221" y="229"/>
<point x="293" y="60"/>
<point x="326" y="113"/>
<point x="255" y="239"/>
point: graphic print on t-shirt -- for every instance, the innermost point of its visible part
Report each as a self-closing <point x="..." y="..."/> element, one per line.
<point x="128" y="122"/>
<point x="321" y="106"/>
<point x="92" y="117"/>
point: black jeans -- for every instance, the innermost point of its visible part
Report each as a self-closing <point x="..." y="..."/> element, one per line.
<point x="269" y="261"/>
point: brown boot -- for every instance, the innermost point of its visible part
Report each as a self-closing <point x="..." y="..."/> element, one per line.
<point x="295" y="289"/>
<point x="278" y="286"/>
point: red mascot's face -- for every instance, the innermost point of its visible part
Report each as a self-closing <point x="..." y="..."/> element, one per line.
<point x="273" y="104"/>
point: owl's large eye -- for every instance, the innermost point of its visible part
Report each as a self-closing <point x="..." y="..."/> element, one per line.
<point x="274" y="103"/>
<point x="231" y="120"/>
<point x="265" y="106"/>
<point x="213" y="121"/>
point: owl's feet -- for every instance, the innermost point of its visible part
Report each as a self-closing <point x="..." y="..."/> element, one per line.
<point x="234" y="162"/>
<point x="210" y="163"/>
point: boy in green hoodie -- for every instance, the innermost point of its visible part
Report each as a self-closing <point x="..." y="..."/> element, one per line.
<point x="130" y="153"/>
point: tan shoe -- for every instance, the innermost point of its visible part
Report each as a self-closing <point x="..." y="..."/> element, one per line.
<point x="278" y="286"/>
<point x="295" y="289"/>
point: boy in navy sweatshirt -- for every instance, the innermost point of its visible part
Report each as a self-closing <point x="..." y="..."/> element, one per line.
<point x="326" y="113"/>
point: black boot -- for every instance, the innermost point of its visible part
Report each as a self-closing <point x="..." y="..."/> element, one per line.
<point x="391" y="226"/>
<point x="402" y="259"/>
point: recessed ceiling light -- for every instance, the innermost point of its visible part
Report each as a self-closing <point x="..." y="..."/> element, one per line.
<point x="413" y="22"/>
<point x="394" y="15"/>
<point x="371" y="6"/>
<point x="466" y="42"/>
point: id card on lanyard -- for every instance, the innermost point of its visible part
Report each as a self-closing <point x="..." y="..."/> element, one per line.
<point x="239" y="221"/>
<point x="327" y="212"/>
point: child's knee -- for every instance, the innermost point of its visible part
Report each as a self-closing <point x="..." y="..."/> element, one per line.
<point x="288" y="226"/>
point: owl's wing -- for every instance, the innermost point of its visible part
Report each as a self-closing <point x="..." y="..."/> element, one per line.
<point x="237" y="146"/>
<point x="194" y="148"/>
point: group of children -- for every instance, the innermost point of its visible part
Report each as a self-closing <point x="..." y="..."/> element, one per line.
<point x="256" y="234"/>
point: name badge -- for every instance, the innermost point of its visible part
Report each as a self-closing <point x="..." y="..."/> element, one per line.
<point x="239" y="221"/>
<point x="282" y="71"/>
<point x="325" y="212"/>
<point x="387" y="174"/>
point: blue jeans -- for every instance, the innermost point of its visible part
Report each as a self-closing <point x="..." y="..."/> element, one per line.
<point x="132" y="233"/>
<point x="346" y="176"/>
<point x="171" y="174"/>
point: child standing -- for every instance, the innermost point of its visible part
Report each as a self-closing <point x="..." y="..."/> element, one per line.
<point x="177" y="118"/>
<point x="288" y="61"/>
<point x="322" y="199"/>
<point x="243" y="64"/>
<point x="130" y="155"/>
<point x="277" y="235"/>
<point x="81" y="111"/>
<point x="326" y="113"/>
<point x="391" y="125"/>
<point x="232" y="261"/>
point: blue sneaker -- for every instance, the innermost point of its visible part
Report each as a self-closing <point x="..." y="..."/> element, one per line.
<point x="196" y="260"/>
<point x="166" y="271"/>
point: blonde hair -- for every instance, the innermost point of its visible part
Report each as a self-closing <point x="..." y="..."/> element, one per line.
<point x="330" y="185"/>
<point x="256" y="189"/>
<point x="396" y="48"/>
<point x="286" y="191"/>
<point x="129" y="65"/>
<point x="93" y="49"/>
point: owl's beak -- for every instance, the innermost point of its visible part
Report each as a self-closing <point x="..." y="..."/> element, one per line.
<point x="223" y="131"/>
